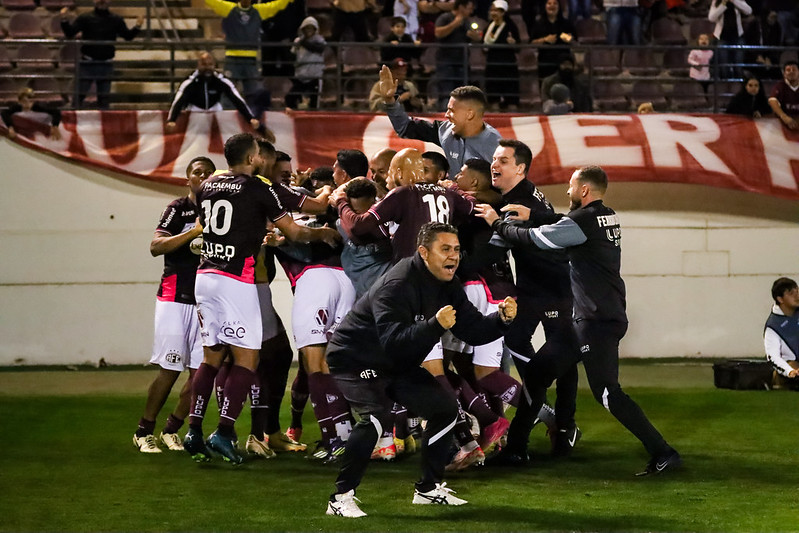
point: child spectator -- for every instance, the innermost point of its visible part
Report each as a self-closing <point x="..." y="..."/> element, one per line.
<point x="409" y="11"/>
<point x="309" y="66"/>
<point x="645" y="108"/>
<point x="26" y="104"/>
<point x="699" y="59"/>
<point x="559" y="103"/>
<point x="398" y="44"/>
<point x="407" y="94"/>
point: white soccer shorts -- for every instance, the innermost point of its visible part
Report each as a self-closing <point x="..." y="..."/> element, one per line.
<point x="229" y="311"/>
<point x="177" y="343"/>
<point x="322" y="297"/>
<point x="486" y="354"/>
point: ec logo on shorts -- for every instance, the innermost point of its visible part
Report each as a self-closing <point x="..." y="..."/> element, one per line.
<point x="173" y="357"/>
<point x="233" y="330"/>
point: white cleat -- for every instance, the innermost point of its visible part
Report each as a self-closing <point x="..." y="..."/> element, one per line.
<point x="259" y="448"/>
<point x="172" y="441"/>
<point x="345" y="505"/>
<point x="441" y="495"/>
<point x="146" y="444"/>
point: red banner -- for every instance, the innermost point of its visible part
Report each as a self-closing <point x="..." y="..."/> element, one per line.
<point x="718" y="150"/>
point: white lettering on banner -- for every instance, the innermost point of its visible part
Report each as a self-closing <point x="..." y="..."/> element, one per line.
<point x="572" y="132"/>
<point x="779" y="154"/>
<point x="664" y="140"/>
<point x="529" y="131"/>
<point x="148" y="148"/>
<point x="377" y="136"/>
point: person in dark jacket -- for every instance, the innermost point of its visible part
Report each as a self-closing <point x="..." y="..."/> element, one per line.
<point x="591" y="235"/>
<point x="502" y="69"/>
<point x="750" y="101"/>
<point x="95" y="65"/>
<point x="376" y="353"/>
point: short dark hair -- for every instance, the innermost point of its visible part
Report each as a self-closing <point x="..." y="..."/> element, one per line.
<point x="322" y="175"/>
<point x="399" y="20"/>
<point x="781" y="286"/>
<point x="521" y="152"/>
<point x="266" y="148"/>
<point x="594" y="175"/>
<point x="353" y="162"/>
<point x="281" y="156"/>
<point x="438" y="160"/>
<point x="479" y="165"/>
<point x="459" y="3"/>
<point x="200" y="159"/>
<point x="361" y="189"/>
<point x="429" y="232"/>
<point x="790" y="62"/>
<point x="237" y="147"/>
<point x="470" y="93"/>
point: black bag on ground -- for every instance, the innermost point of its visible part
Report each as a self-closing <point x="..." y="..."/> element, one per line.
<point x="743" y="374"/>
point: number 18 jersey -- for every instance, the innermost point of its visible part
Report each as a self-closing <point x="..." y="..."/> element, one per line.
<point x="234" y="209"/>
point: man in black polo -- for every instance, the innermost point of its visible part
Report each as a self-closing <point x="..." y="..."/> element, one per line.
<point x="591" y="235"/>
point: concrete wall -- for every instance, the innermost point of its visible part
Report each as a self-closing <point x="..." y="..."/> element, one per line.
<point x="77" y="282"/>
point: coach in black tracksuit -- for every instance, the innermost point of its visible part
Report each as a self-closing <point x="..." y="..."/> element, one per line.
<point x="376" y="352"/>
<point x="592" y="237"/>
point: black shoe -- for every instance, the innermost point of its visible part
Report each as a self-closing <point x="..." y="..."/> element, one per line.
<point x="564" y="440"/>
<point x="194" y="444"/>
<point x="506" y="457"/>
<point x="668" y="461"/>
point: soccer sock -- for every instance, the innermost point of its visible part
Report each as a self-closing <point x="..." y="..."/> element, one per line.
<point x="219" y="385"/>
<point x="502" y="386"/>
<point x="258" y="410"/>
<point x="202" y="387"/>
<point x="146" y="427"/>
<point x="238" y="385"/>
<point x="276" y="357"/>
<point x="463" y="429"/>
<point x="173" y="424"/>
<point x="299" y="396"/>
<point x="472" y="402"/>
<point x="316" y="386"/>
<point x="400" y="421"/>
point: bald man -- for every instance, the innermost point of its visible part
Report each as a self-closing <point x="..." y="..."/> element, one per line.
<point x="378" y="166"/>
<point x="406" y="168"/>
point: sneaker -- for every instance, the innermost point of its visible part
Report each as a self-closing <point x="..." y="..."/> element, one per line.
<point x="224" y="447"/>
<point x="344" y="505"/>
<point x="441" y="495"/>
<point x="146" y="444"/>
<point x="281" y="442"/>
<point x="172" y="441"/>
<point x="657" y="465"/>
<point x="194" y="444"/>
<point x="564" y="440"/>
<point x="385" y="449"/>
<point x="507" y="457"/>
<point x="259" y="448"/>
<point x="465" y="459"/>
<point x="492" y="433"/>
<point x="294" y="434"/>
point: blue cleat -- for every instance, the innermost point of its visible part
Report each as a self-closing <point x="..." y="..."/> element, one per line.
<point x="194" y="444"/>
<point x="224" y="447"/>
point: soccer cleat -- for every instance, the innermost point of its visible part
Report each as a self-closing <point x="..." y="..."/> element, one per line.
<point x="193" y="443"/>
<point x="345" y="505"/>
<point x="507" y="457"/>
<point x="464" y="459"/>
<point x="385" y="449"/>
<point x="329" y="453"/>
<point x="294" y="434"/>
<point x="172" y="441"/>
<point x="564" y="440"/>
<point x="224" y="447"/>
<point x="412" y="444"/>
<point x="259" y="448"/>
<point x="657" y="465"/>
<point x="146" y="444"/>
<point x="441" y="495"/>
<point x="281" y="442"/>
<point x="493" y="432"/>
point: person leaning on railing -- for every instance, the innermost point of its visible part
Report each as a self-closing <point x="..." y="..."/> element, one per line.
<point x="784" y="98"/>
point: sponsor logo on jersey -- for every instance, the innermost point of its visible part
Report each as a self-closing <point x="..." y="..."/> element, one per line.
<point x="331" y="398"/>
<point x="322" y="316"/>
<point x="173" y="357"/>
<point x="368" y="374"/>
<point x="166" y="222"/>
<point x="221" y="186"/>
<point x="551" y="314"/>
<point x="233" y="330"/>
<point x="585" y="348"/>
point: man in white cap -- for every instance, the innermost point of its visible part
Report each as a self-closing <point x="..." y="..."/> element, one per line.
<point x="406" y="94"/>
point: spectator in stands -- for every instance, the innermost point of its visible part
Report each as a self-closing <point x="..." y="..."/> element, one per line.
<point x="575" y="82"/>
<point x="579" y="8"/>
<point x="764" y="31"/>
<point x="26" y="103"/>
<point x="203" y="91"/>
<point x="399" y="43"/>
<point x="242" y="27"/>
<point x="750" y="101"/>
<point x="560" y="102"/>
<point x="781" y="335"/>
<point x="787" y="12"/>
<point x="95" y="65"/>
<point x="502" y="69"/>
<point x="309" y="67"/>
<point x="729" y="30"/>
<point x="429" y="11"/>
<point x="624" y="22"/>
<point x="553" y="34"/>
<point x="699" y="59"/>
<point x="277" y="35"/>
<point x="453" y="28"/>
<point x="407" y="94"/>
<point x="645" y="108"/>
<point x="409" y="11"/>
<point x="352" y="14"/>
<point x="784" y="100"/>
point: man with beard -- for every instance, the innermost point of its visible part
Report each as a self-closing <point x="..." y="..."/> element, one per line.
<point x="567" y="75"/>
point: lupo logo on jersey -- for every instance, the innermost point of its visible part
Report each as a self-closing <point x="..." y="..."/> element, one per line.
<point x="235" y="329"/>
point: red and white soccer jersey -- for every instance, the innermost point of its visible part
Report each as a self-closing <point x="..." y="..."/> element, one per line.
<point x="180" y="265"/>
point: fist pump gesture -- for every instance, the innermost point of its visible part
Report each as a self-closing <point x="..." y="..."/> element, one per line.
<point x="446" y="316"/>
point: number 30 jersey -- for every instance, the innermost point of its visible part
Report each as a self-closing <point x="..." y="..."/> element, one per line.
<point x="234" y="209"/>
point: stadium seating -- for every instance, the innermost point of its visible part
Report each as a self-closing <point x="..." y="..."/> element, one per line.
<point x="18" y="4"/>
<point x="9" y="87"/>
<point x="640" y="62"/>
<point x="530" y="94"/>
<point x="688" y="96"/>
<point x="68" y="56"/>
<point x="590" y="31"/>
<point x="35" y="57"/>
<point x="609" y="95"/>
<point x="25" y="25"/>
<point x="675" y="61"/>
<point x="5" y="59"/>
<point x="528" y="59"/>
<point x="524" y="33"/>
<point x="649" y="91"/>
<point x="48" y="91"/>
<point x="604" y="61"/>
<point x="52" y="28"/>
<point x="667" y="31"/>
<point x="56" y="5"/>
<point x="359" y="59"/>
<point x="699" y="26"/>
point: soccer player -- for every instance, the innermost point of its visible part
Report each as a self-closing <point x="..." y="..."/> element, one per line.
<point x="176" y="344"/>
<point x="376" y="352"/>
<point x="235" y="207"/>
<point x="591" y="235"/>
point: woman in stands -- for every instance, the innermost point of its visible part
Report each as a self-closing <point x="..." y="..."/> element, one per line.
<point x="750" y="101"/>
<point x="554" y="35"/>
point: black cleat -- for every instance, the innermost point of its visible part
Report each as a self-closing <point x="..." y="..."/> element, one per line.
<point x="506" y="457"/>
<point x="564" y="440"/>
<point x="657" y="465"/>
<point x="193" y="443"/>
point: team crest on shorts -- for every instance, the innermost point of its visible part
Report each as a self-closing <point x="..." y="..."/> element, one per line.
<point x="322" y="316"/>
<point x="173" y="357"/>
